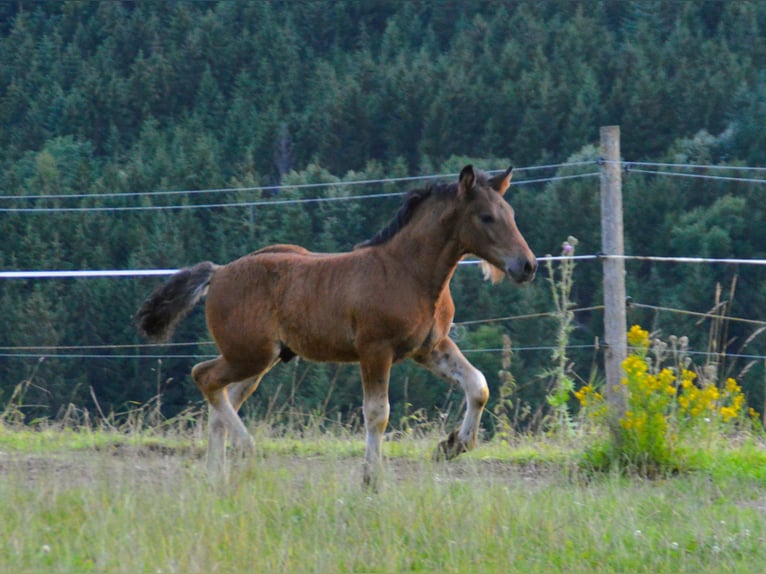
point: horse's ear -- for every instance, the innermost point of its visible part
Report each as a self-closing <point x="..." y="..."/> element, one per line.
<point x="466" y="181"/>
<point x="502" y="181"/>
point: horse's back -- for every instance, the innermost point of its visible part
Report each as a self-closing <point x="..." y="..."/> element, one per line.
<point x="255" y="282"/>
<point x="280" y="248"/>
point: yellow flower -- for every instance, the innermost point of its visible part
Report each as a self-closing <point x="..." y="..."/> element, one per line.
<point x="714" y="394"/>
<point x="634" y="366"/>
<point x="728" y="413"/>
<point x="627" y="421"/>
<point x="637" y="337"/>
<point x="666" y="377"/>
<point x="732" y="387"/>
<point x="687" y="376"/>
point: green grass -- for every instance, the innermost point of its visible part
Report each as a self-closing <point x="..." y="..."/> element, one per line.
<point x="97" y="501"/>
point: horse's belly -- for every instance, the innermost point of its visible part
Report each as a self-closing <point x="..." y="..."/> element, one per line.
<point x="347" y="346"/>
<point x="321" y="346"/>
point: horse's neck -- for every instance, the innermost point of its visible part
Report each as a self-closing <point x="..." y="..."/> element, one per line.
<point x="428" y="248"/>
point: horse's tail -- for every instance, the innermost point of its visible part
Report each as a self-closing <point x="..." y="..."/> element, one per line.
<point x="170" y="302"/>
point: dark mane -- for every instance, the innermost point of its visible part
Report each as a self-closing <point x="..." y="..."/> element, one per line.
<point x="412" y="200"/>
<point x="410" y="204"/>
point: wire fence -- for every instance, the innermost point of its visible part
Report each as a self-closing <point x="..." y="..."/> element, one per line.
<point x="79" y="351"/>
<point x="107" y="351"/>
<point x="96" y="273"/>
<point x="252" y="189"/>
<point x="285" y="186"/>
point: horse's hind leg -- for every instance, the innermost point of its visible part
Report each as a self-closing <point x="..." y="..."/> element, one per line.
<point x="212" y="377"/>
<point x="446" y="361"/>
<point x="241" y="391"/>
<point x="236" y="394"/>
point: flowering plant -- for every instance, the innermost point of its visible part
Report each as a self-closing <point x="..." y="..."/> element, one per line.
<point x="664" y="405"/>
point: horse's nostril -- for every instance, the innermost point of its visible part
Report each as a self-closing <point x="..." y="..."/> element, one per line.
<point x="530" y="267"/>
<point x="522" y="269"/>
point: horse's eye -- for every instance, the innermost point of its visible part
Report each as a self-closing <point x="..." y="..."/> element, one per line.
<point x="486" y="218"/>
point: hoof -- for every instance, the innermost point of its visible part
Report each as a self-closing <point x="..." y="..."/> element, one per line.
<point x="450" y="448"/>
<point x="244" y="446"/>
<point x="371" y="479"/>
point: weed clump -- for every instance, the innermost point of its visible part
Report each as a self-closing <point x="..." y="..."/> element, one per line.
<point x="669" y="407"/>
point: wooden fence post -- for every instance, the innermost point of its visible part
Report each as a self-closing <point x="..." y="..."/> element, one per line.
<point x="615" y="327"/>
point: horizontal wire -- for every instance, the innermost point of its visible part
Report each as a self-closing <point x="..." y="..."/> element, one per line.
<point x="227" y="189"/>
<point x="724" y="354"/>
<point x="39" y="356"/>
<point x="279" y="187"/>
<point x="26" y="351"/>
<point x="192" y="343"/>
<point x="108" y="209"/>
<point x="28" y="355"/>
<point x="699" y="314"/>
<point x="700" y="176"/>
<point x="457" y="324"/>
<point x="527" y="316"/>
<point x="207" y="356"/>
<point x="103" y="347"/>
<point x="686" y="165"/>
<point x="525" y="349"/>
<point x="258" y="203"/>
<point x="64" y="274"/>
<point x="539" y="259"/>
<point x="554" y="165"/>
<point x="670" y="259"/>
<point x="69" y="274"/>
<point x="627" y="164"/>
<point x="85" y="273"/>
<point x="556" y="178"/>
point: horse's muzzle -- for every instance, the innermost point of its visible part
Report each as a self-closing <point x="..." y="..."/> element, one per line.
<point x="522" y="269"/>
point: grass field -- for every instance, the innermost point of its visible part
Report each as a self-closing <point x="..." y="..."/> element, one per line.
<point x="105" y="501"/>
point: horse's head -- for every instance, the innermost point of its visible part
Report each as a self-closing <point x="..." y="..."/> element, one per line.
<point x="487" y="226"/>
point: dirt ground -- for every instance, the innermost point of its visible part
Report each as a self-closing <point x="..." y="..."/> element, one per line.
<point x="157" y="463"/>
<point x="75" y="468"/>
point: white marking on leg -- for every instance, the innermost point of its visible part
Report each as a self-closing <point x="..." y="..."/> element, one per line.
<point x="447" y="362"/>
<point x="223" y="418"/>
<point x="376" y="370"/>
<point x="476" y="395"/>
<point x="376" y="411"/>
<point x="216" y="444"/>
<point x="239" y="392"/>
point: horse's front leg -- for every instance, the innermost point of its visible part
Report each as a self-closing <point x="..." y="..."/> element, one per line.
<point x="446" y="361"/>
<point x="376" y="370"/>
